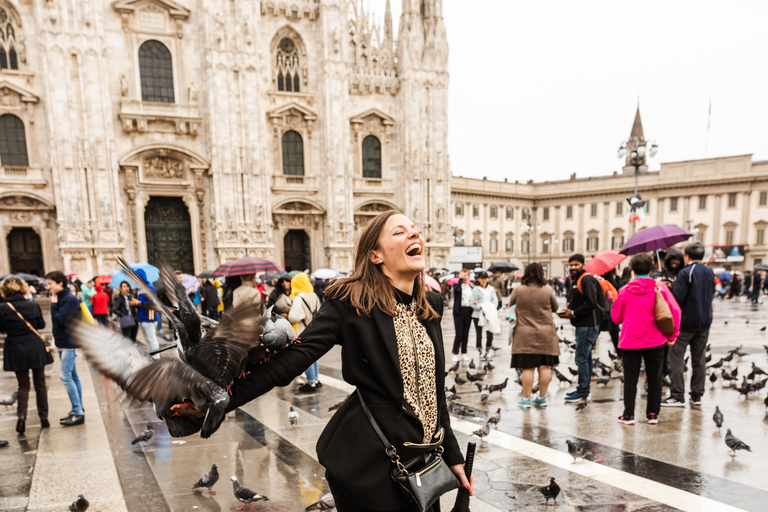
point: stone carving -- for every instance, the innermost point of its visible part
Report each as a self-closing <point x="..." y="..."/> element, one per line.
<point x="192" y="94"/>
<point x="20" y="201"/>
<point x="21" y="216"/>
<point x="162" y="167"/>
<point x="8" y="98"/>
<point x="123" y="86"/>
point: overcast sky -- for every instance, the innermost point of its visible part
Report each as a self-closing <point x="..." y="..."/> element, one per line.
<point x="541" y="89"/>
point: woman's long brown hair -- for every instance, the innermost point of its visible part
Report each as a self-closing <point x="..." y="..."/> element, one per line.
<point x="369" y="287"/>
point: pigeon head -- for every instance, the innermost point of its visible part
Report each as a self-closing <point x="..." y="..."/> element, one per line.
<point x="214" y="467"/>
<point x="150" y="426"/>
<point x="235" y="482"/>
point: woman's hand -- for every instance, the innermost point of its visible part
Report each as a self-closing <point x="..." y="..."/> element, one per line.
<point x="458" y="470"/>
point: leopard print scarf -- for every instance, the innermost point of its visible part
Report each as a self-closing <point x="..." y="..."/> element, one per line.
<point x="419" y="390"/>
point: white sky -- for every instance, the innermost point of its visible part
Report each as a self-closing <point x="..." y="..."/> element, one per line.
<point x="541" y="89"/>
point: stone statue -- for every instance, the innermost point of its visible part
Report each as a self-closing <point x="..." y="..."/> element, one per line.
<point x="123" y="86"/>
<point x="192" y="94"/>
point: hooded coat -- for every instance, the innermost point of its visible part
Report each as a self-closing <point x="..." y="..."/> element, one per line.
<point x="23" y="349"/>
<point x="100" y="301"/>
<point x="635" y="310"/>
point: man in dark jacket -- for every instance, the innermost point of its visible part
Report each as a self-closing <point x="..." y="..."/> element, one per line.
<point x="757" y="283"/>
<point x="694" y="289"/>
<point x="64" y="306"/>
<point x="585" y="315"/>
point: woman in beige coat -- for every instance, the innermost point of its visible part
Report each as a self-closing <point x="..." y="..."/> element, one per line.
<point x="535" y="343"/>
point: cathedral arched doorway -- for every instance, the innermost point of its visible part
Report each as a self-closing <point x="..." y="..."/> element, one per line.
<point x="296" y="250"/>
<point x="169" y="232"/>
<point x="25" y="252"/>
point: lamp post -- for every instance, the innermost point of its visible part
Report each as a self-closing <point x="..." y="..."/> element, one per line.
<point x="530" y="229"/>
<point x="637" y="149"/>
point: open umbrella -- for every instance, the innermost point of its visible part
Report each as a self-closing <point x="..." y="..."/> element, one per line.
<point x="325" y="273"/>
<point x="431" y="283"/>
<point x="103" y="279"/>
<point x="245" y="266"/>
<point x="272" y="275"/>
<point x="503" y="267"/>
<point x="761" y="266"/>
<point x="453" y="281"/>
<point x="446" y="277"/>
<point x="295" y="272"/>
<point x="654" y="238"/>
<point x="29" y="278"/>
<point x="153" y="274"/>
<point x="604" y="262"/>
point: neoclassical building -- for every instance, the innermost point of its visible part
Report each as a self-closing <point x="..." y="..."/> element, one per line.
<point x="205" y="130"/>
<point x="723" y="201"/>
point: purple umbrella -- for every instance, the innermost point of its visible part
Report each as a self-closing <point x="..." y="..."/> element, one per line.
<point x="657" y="237"/>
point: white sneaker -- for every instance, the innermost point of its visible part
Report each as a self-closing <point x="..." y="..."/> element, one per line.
<point x="465" y="357"/>
<point x="455" y="358"/>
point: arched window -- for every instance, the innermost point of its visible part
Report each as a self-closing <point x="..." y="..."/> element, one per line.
<point x="287" y="63"/>
<point x="156" y="69"/>
<point x="8" y="58"/>
<point x="293" y="154"/>
<point x="13" y="142"/>
<point x="371" y="157"/>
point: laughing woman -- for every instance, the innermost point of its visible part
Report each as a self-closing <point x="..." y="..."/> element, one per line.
<point x="388" y="326"/>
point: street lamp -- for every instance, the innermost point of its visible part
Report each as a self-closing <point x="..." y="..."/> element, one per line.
<point x="530" y="229"/>
<point x="637" y="150"/>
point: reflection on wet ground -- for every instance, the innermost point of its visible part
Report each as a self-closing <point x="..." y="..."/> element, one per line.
<point x="256" y="443"/>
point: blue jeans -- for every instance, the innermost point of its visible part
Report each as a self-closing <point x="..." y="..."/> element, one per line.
<point x="313" y="372"/>
<point x="755" y="296"/>
<point x="70" y="379"/>
<point x="585" y="342"/>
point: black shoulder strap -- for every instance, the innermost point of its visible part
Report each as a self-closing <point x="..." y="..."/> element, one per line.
<point x="388" y="447"/>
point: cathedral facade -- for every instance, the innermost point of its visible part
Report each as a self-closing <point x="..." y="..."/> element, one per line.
<point x="207" y="130"/>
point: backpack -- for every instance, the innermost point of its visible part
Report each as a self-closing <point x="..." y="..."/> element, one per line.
<point x="604" y="300"/>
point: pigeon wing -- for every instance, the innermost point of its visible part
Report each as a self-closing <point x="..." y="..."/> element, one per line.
<point x="177" y="294"/>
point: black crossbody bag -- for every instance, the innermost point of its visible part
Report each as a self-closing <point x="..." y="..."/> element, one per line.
<point x="422" y="485"/>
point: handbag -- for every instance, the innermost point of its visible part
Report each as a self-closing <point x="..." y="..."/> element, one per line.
<point x="48" y="356"/>
<point x="662" y="314"/>
<point x="424" y="484"/>
<point x="127" y="321"/>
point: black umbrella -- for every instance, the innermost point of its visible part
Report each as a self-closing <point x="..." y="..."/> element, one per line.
<point x="761" y="266"/>
<point x="503" y="267"/>
<point x="208" y="274"/>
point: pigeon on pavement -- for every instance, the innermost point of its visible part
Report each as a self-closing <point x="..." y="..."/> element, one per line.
<point x="713" y="378"/>
<point x="762" y="329"/>
<point x="326" y="502"/>
<point x="458" y="409"/>
<point x="562" y="378"/>
<point x="573" y="372"/>
<point x="551" y="491"/>
<point x="208" y="480"/>
<point x="482" y="432"/>
<point x="498" y="387"/>
<point x="10" y="399"/>
<point x="246" y="495"/>
<point x="718" y="417"/>
<point x="79" y="505"/>
<point x="472" y="364"/>
<point x="336" y="406"/>
<point x="734" y="443"/>
<point x="576" y="452"/>
<point x="495" y="418"/>
<point x="458" y="380"/>
<point x="474" y="377"/>
<point x="455" y="367"/>
<point x="146" y="436"/>
<point x="293" y="417"/>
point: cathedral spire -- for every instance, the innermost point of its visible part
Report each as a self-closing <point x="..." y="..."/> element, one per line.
<point x="388" y="36"/>
<point x="637" y="127"/>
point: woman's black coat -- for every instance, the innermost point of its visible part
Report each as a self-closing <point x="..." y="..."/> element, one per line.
<point x="24" y="350"/>
<point x="348" y="447"/>
<point x="121" y="308"/>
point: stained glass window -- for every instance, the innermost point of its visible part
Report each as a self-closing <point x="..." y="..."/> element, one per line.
<point x="287" y="63"/>
<point x="156" y="69"/>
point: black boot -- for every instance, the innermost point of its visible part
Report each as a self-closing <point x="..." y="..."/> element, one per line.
<point x="21" y="425"/>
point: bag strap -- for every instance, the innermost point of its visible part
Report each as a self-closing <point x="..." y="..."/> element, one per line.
<point x="389" y="448"/>
<point x="28" y="325"/>
<point x="310" y="310"/>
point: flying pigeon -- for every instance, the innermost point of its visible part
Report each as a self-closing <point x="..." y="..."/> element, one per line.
<point x="576" y="452"/>
<point x="551" y="491"/>
<point x="482" y="432"/>
<point x="80" y="504"/>
<point x="562" y="378"/>
<point x="734" y="443"/>
<point x="146" y="436"/>
<point x="718" y="417"/>
<point x="10" y="399"/>
<point x="293" y="417"/>
<point x="208" y="480"/>
<point x="326" y="502"/>
<point x="495" y="418"/>
<point x="246" y="495"/>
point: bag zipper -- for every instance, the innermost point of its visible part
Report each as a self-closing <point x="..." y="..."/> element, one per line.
<point x="418" y="475"/>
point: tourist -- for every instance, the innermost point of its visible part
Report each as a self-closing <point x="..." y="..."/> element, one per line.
<point x="484" y="306"/>
<point x="64" y="306"/>
<point x="246" y="292"/>
<point x="641" y="340"/>
<point x="534" y="344"/>
<point x="87" y="291"/>
<point x="386" y="321"/>
<point x="125" y="309"/>
<point x="209" y="298"/>
<point x="585" y="315"/>
<point x="498" y="284"/>
<point x="282" y="287"/>
<point x="24" y="348"/>
<point x="305" y="305"/>
<point x="146" y="317"/>
<point x="462" y="315"/>
<point x="757" y="283"/>
<point x="693" y="291"/>
<point x="100" y="304"/>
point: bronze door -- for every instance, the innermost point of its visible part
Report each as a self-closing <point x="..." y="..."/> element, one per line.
<point x="296" y="250"/>
<point x="25" y="252"/>
<point x="169" y="232"/>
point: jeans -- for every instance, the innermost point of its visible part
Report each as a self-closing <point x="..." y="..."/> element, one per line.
<point x="130" y="332"/>
<point x="755" y="295"/>
<point x="698" y="342"/>
<point x="212" y="313"/>
<point x="462" y="322"/>
<point x="149" y="330"/>
<point x="653" y="360"/>
<point x="312" y="372"/>
<point x="102" y="319"/>
<point x="585" y="342"/>
<point x="70" y="379"/>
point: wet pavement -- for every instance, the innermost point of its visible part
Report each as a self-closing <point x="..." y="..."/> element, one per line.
<point x="680" y="464"/>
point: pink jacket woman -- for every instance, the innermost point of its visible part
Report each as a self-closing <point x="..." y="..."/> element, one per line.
<point x="634" y="309"/>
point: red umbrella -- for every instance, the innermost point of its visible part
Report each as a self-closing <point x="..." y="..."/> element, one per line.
<point x="105" y="279"/>
<point x="604" y="262"/>
<point x="245" y="266"/>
